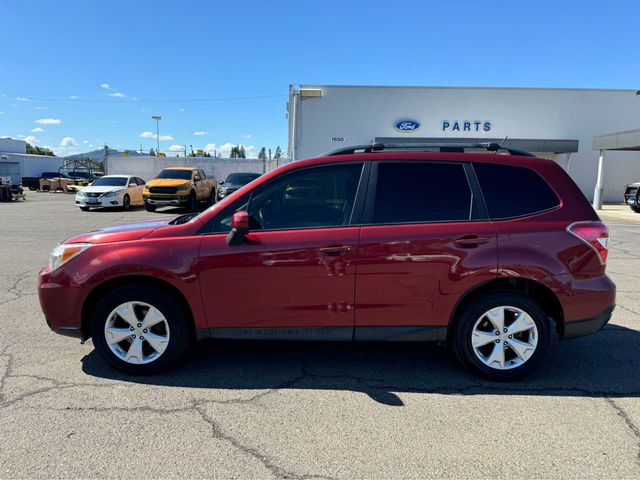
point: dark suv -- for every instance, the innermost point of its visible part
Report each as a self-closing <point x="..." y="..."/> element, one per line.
<point x="632" y="196"/>
<point x="493" y="254"/>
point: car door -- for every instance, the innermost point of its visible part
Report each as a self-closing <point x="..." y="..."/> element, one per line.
<point x="139" y="189"/>
<point x="425" y="240"/>
<point x="294" y="275"/>
<point x="201" y="185"/>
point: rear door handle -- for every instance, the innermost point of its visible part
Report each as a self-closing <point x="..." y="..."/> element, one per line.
<point x="470" y="241"/>
<point x="334" y="250"/>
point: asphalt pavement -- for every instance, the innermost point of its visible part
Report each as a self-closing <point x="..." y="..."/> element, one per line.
<point x="305" y="410"/>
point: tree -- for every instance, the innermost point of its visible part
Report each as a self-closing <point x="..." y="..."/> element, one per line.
<point x="263" y="154"/>
<point x="241" y="152"/>
<point x="39" y="151"/>
<point x="269" y="154"/>
<point x="278" y="153"/>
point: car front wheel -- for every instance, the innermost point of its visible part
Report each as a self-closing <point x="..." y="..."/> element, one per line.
<point x="503" y="336"/>
<point x="635" y="208"/>
<point x="140" y="329"/>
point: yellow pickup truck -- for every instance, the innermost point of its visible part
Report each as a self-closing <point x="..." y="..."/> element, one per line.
<point x="180" y="187"/>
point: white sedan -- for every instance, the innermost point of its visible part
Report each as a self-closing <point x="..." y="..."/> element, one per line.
<point x="112" y="191"/>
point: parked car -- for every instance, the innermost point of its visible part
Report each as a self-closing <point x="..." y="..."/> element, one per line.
<point x="632" y="196"/>
<point x="180" y="187"/>
<point x="33" y="183"/>
<point x="458" y="254"/>
<point x="111" y="191"/>
<point x="235" y="181"/>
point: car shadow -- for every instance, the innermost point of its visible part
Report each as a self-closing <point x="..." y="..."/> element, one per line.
<point x="606" y="364"/>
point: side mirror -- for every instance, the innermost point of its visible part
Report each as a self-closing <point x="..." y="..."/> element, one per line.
<point x="239" y="228"/>
<point x="221" y="182"/>
<point x="196" y="178"/>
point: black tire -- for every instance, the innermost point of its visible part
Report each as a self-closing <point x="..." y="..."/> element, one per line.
<point x="149" y="208"/>
<point x="214" y="197"/>
<point x="84" y="209"/>
<point x="192" y="202"/>
<point x="126" y="202"/>
<point x="177" y="319"/>
<point x="32" y="188"/>
<point x="462" y="336"/>
<point x="635" y="208"/>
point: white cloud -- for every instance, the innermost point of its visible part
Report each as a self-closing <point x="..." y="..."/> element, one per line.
<point x="163" y="138"/>
<point x="200" y="133"/>
<point x="117" y="95"/>
<point x="106" y="86"/>
<point x="134" y="98"/>
<point x="49" y="121"/>
<point x="176" y="148"/>
<point x="85" y="141"/>
<point x="248" y="135"/>
<point x="31" y="139"/>
<point x="41" y="108"/>
<point x="181" y="110"/>
<point x="224" y="150"/>
<point x="22" y="99"/>
<point x="1" y="113"/>
<point x="73" y="97"/>
<point x="37" y="129"/>
<point x="68" y="142"/>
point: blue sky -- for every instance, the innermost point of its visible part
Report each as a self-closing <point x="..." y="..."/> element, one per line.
<point x="94" y="72"/>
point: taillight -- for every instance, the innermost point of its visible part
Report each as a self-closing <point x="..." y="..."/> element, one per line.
<point x="594" y="234"/>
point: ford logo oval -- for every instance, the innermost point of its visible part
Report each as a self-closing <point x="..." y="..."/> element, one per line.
<point x="406" y="125"/>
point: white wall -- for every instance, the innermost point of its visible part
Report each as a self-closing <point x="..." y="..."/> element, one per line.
<point x="360" y="114"/>
<point x="146" y="167"/>
<point x="32" y="165"/>
<point x="9" y="145"/>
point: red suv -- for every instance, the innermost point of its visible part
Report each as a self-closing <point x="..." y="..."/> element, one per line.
<point x="492" y="253"/>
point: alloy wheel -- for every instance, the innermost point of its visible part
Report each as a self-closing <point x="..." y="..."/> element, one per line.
<point x="504" y="337"/>
<point x="137" y="332"/>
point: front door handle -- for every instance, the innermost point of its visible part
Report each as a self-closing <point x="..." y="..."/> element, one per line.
<point x="334" y="250"/>
<point x="470" y="241"/>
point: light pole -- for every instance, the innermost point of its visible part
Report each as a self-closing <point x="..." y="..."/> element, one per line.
<point x="157" y="118"/>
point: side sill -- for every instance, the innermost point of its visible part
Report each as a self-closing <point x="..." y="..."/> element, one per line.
<point x="326" y="334"/>
<point x="401" y="334"/>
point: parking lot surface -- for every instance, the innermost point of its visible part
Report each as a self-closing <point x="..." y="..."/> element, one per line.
<point x="305" y="410"/>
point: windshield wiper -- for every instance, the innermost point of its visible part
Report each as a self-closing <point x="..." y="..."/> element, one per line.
<point x="183" y="218"/>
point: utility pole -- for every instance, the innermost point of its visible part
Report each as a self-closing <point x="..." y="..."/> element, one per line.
<point x="157" y="118"/>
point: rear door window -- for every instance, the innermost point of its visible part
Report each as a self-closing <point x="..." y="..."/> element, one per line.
<point x="421" y="192"/>
<point x="511" y="191"/>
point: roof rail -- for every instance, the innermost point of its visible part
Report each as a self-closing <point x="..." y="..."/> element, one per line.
<point x="425" y="147"/>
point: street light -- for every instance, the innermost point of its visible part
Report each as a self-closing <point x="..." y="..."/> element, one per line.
<point x="157" y="118"/>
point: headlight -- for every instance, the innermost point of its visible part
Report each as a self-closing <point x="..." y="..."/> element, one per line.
<point x="111" y="194"/>
<point x="223" y="190"/>
<point x="63" y="253"/>
<point x="183" y="187"/>
<point x="81" y="194"/>
<point x="147" y="186"/>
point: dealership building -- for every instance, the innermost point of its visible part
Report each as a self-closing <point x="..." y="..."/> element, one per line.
<point x="588" y="132"/>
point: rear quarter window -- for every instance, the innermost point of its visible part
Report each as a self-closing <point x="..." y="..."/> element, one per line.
<point x="511" y="191"/>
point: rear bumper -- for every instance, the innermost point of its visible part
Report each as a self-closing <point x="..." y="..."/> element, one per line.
<point x="588" y="326"/>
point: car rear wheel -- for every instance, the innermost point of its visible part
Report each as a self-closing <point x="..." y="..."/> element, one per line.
<point x="503" y="336"/>
<point x="149" y="208"/>
<point x="140" y="329"/>
<point x="126" y="202"/>
<point x="635" y="208"/>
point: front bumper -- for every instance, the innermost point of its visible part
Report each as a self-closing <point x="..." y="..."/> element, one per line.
<point x="99" y="202"/>
<point x="60" y="300"/>
<point x="587" y="326"/>
<point x="161" y="200"/>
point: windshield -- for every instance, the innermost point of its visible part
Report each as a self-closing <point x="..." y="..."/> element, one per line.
<point x="110" y="182"/>
<point x="178" y="174"/>
<point x="241" y="178"/>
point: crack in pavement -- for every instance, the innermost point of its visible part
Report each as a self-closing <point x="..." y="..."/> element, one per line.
<point x="629" y="422"/>
<point x="15" y="291"/>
